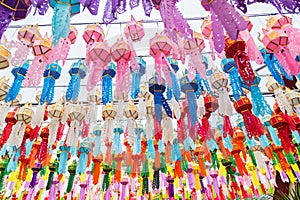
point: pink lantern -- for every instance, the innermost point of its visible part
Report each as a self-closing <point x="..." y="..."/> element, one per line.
<point x="193" y="47"/>
<point x="26" y="36"/>
<point x="62" y="48"/>
<point x="276" y="42"/>
<point x="97" y="58"/>
<point x="285" y="23"/>
<point x="134" y="30"/>
<point x="93" y="33"/>
<point x="121" y="53"/>
<point x="42" y="48"/>
<point x="251" y="48"/>
<point x="160" y="49"/>
<point x="206" y="29"/>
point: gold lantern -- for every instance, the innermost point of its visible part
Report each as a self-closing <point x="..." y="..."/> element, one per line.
<point x="272" y="85"/>
<point x="131" y="111"/>
<point x="4" y="57"/>
<point x="95" y="97"/>
<point x="56" y="110"/>
<point x="77" y="112"/>
<point x="42" y="46"/>
<point x="24" y="114"/>
<point x="109" y="112"/>
<point x="4" y="87"/>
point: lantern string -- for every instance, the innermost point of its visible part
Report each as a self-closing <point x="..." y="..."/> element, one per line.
<point x="146" y="21"/>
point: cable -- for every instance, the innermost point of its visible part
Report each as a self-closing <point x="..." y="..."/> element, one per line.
<point x="146" y="21"/>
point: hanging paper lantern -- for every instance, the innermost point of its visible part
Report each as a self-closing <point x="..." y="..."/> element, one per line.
<point x="236" y="49"/>
<point x="76" y="115"/>
<point x="12" y="10"/>
<point x="121" y="53"/>
<point x="61" y="49"/>
<point x="260" y="105"/>
<point x="134" y="30"/>
<point x="19" y="72"/>
<point x="131" y="114"/>
<point x="279" y="122"/>
<point x="157" y="89"/>
<point x="23" y="117"/>
<point x="94" y="99"/>
<point x="51" y="74"/>
<point x="294" y="99"/>
<point x="99" y="55"/>
<point x="4" y="88"/>
<point x="252" y="123"/>
<point x="188" y="87"/>
<point x="77" y="72"/>
<point x="55" y="113"/>
<point x="4" y="57"/>
<point x="160" y="49"/>
<point x="224" y="15"/>
<point x="206" y="30"/>
<point x="93" y="33"/>
<point x="173" y="19"/>
<point x="27" y="35"/>
<point x="108" y="114"/>
<point x="193" y="47"/>
<point x="136" y="73"/>
<point x="107" y="76"/>
<point x="276" y="41"/>
<point x="85" y="148"/>
<point x="10" y="120"/>
<point x="229" y="66"/>
<point x="280" y="96"/>
<point x="63" y="10"/>
<point x="251" y="48"/>
<point x="42" y="48"/>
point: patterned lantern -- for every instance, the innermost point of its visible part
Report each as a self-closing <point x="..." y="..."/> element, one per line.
<point x="193" y="47"/>
<point x="77" y="72"/>
<point x="236" y="49"/>
<point x="121" y="53"/>
<point x="42" y="48"/>
<point x="4" y="57"/>
<point x="279" y="122"/>
<point x="108" y="114"/>
<point x="251" y="122"/>
<point x="12" y="10"/>
<point x="294" y="99"/>
<point x="55" y="113"/>
<point x="76" y="115"/>
<point x="61" y="49"/>
<point x="251" y="48"/>
<point x="276" y="41"/>
<point x="134" y="30"/>
<point x="63" y="10"/>
<point x="4" y="87"/>
<point x="93" y="33"/>
<point x="23" y="117"/>
<point x="10" y="120"/>
<point x="280" y="96"/>
<point x="98" y="57"/>
<point x="131" y="114"/>
<point x="51" y="74"/>
<point x="189" y="87"/>
<point x="27" y="35"/>
<point x="94" y="98"/>
<point x="19" y="72"/>
<point x="160" y="49"/>
<point x="224" y="15"/>
<point x="285" y="23"/>
<point x="157" y="89"/>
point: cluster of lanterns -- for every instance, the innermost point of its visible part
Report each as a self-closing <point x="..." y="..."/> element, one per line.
<point x="157" y="140"/>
